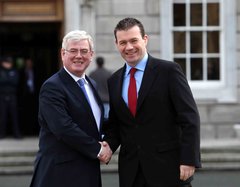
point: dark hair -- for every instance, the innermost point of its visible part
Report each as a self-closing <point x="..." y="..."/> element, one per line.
<point x="100" y="61"/>
<point x="128" y="23"/>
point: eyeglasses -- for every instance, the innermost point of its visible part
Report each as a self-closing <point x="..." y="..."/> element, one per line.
<point x="74" y="52"/>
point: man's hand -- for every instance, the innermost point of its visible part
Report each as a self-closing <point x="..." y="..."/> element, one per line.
<point x="186" y="172"/>
<point x="106" y="153"/>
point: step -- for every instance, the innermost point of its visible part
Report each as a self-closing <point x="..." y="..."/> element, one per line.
<point x="17" y="161"/>
<point x="221" y="150"/>
<point x="16" y="170"/>
<point x="223" y="145"/>
<point x="215" y="166"/>
<point x="17" y="157"/>
<point x="109" y="168"/>
<point x="220" y="157"/>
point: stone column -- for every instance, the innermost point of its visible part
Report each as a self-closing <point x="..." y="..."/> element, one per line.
<point x="72" y="14"/>
<point x="88" y="17"/>
<point x="80" y="14"/>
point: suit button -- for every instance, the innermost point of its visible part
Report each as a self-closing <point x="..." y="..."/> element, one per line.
<point x="139" y="146"/>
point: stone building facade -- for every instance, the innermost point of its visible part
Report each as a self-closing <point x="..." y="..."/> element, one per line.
<point x="194" y="33"/>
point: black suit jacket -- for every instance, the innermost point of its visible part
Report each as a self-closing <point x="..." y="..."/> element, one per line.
<point x="165" y="131"/>
<point x="68" y="145"/>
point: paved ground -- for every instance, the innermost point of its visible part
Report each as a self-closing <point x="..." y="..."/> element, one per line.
<point x="202" y="179"/>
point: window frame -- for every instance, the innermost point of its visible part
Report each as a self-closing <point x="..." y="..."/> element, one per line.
<point x="225" y="89"/>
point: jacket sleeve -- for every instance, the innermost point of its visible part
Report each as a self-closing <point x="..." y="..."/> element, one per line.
<point x="187" y="117"/>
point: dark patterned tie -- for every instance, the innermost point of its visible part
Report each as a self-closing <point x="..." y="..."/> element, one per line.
<point x="132" y="92"/>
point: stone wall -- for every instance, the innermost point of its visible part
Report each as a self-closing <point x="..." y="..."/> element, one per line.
<point x="109" y="12"/>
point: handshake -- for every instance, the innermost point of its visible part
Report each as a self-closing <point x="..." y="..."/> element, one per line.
<point x="105" y="153"/>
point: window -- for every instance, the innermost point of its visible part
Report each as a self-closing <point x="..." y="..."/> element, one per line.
<point x="196" y="38"/>
<point x="202" y="41"/>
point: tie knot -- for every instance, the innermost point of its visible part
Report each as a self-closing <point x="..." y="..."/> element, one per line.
<point x="81" y="82"/>
<point x="132" y="71"/>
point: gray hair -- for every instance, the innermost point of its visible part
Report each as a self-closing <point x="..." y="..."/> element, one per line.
<point x="77" y="35"/>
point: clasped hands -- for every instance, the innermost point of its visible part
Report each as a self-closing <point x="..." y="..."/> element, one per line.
<point x="106" y="152"/>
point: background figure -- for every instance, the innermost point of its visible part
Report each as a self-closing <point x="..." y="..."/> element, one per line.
<point x="100" y="75"/>
<point x="157" y="124"/>
<point x="8" y="98"/>
<point x="28" y="98"/>
<point x="71" y="117"/>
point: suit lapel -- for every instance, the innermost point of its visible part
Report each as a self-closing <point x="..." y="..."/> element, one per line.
<point x="73" y="87"/>
<point x="148" y="78"/>
<point x="118" y="92"/>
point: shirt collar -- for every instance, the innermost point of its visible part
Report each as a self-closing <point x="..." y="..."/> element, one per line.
<point x="140" y="66"/>
<point x="76" y="78"/>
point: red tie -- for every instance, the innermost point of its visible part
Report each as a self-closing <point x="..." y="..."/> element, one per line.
<point x="132" y="92"/>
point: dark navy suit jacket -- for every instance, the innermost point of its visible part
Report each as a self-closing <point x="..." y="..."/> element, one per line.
<point x="68" y="145"/>
<point x="165" y="131"/>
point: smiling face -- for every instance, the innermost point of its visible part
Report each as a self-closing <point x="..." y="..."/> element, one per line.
<point x="131" y="44"/>
<point x="77" y="62"/>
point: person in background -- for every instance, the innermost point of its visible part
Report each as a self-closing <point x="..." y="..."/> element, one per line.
<point x="9" y="79"/>
<point x="100" y="75"/>
<point x="153" y="116"/>
<point x="70" y="117"/>
<point x="28" y="101"/>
